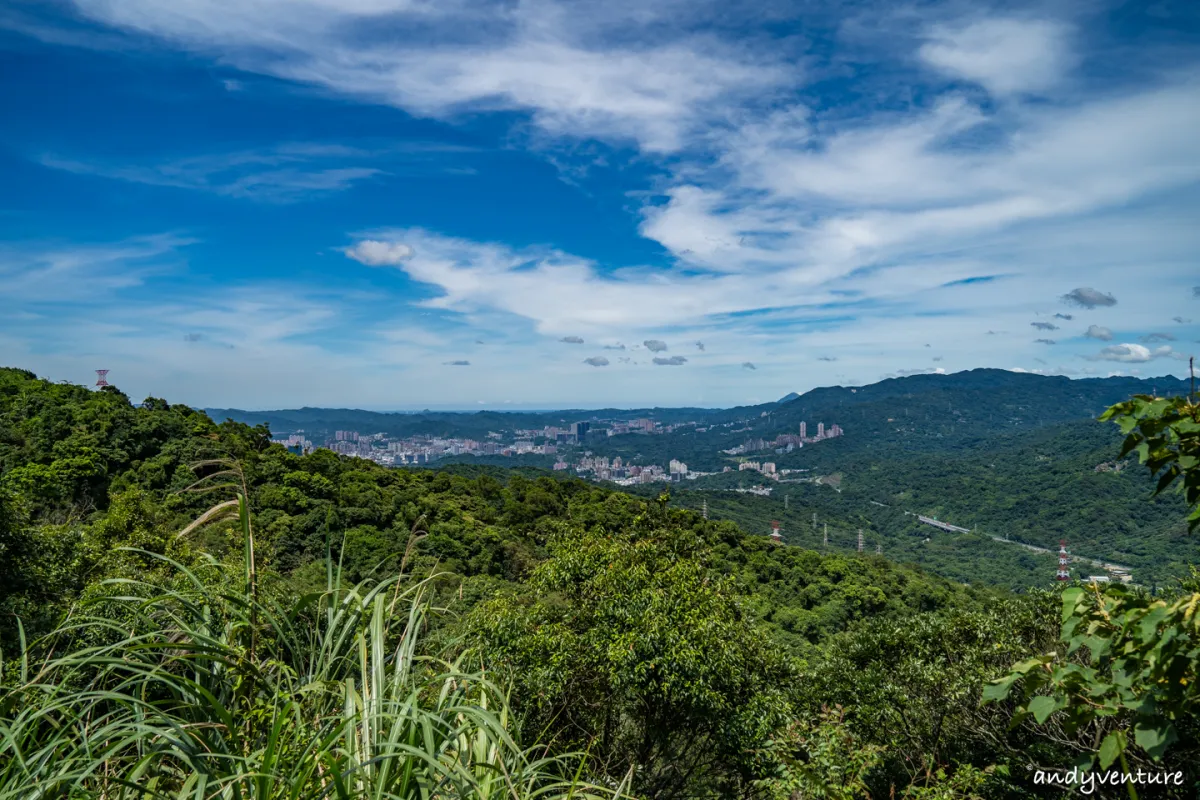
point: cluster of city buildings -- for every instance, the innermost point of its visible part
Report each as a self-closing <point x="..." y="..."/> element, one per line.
<point x="575" y="433"/>
<point x="787" y="442"/>
<point x="378" y="447"/>
<point x="422" y="449"/>
<point x="601" y="468"/>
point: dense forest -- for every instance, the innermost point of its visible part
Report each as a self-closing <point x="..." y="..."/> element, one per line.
<point x="191" y="611"/>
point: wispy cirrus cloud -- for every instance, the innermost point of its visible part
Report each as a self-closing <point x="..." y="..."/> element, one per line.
<point x="649" y="83"/>
<point x="284" y="173"/>
<point x="35" y="272"/>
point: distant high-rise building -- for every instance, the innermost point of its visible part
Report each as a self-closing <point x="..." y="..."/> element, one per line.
<point x="803" y="430"/>
<point x="579" y="430"/>
<point x="820" y="430"/>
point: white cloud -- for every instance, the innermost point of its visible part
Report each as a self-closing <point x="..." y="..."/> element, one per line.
<point x="1004" y="55"/>
<point x="441" y="59"/>
<point x="1133" y="353"/>
<point x="379" y="254"/>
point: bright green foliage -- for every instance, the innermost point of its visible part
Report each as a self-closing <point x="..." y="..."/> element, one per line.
<point x="626" y="645"/>
<point x="211" y="691"/>
<point x="912" y="687"/>
<point x="1165" y="433"/>
<point x="965" y="783"/>
<point x="1143" y="669"/>
<point x="821" y="759"/>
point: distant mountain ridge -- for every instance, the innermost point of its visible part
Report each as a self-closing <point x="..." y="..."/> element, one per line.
<point x="995" y="398"/>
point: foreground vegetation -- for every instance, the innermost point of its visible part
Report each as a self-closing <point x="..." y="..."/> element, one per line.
<point x="190" y="611"/>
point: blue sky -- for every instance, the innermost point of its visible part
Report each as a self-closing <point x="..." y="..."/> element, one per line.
<point x="402" y="203"/>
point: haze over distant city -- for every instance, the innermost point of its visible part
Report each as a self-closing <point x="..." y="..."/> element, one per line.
<point x="396" y="204"/>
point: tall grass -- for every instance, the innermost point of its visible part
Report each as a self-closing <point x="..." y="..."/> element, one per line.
<point x="208" y="690"/>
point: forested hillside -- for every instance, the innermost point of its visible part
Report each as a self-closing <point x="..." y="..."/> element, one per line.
<point x="359" y="631"/>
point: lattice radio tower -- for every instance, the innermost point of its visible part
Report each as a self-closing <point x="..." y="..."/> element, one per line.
<point x="100" y="373"/>
<point x="776" y="536"/>
<point x="705" y="511"/>
<point x="1064" y="562"/>
<point x="826" y="542"/>
<point x="860" y="540"/>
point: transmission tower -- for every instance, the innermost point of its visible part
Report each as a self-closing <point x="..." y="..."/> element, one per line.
<point x="815" y="523"/>
<point x="776" y="536"/>
<point x="785" y="502"/>
<point x="1064" y="562"/>
<point x="705" y="511"/>
<point x="860" y="540"/>
<point x="826" y="542"/>
<point x="100" y="373"/>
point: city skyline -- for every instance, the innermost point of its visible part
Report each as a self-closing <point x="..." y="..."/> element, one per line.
<point x="391" y="204"/>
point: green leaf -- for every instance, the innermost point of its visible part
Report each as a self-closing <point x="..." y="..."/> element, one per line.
<point x="1154" y="737"/>
<point x="999" y="689"/>
<point x="1042" y="707"/>
<point x="1112" y="746"/>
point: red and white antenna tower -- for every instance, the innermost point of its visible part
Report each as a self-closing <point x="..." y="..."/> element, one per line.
<point x="1064" y="562"/>
<point x="775" y="534"/>
<point x="100" y="373"/>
